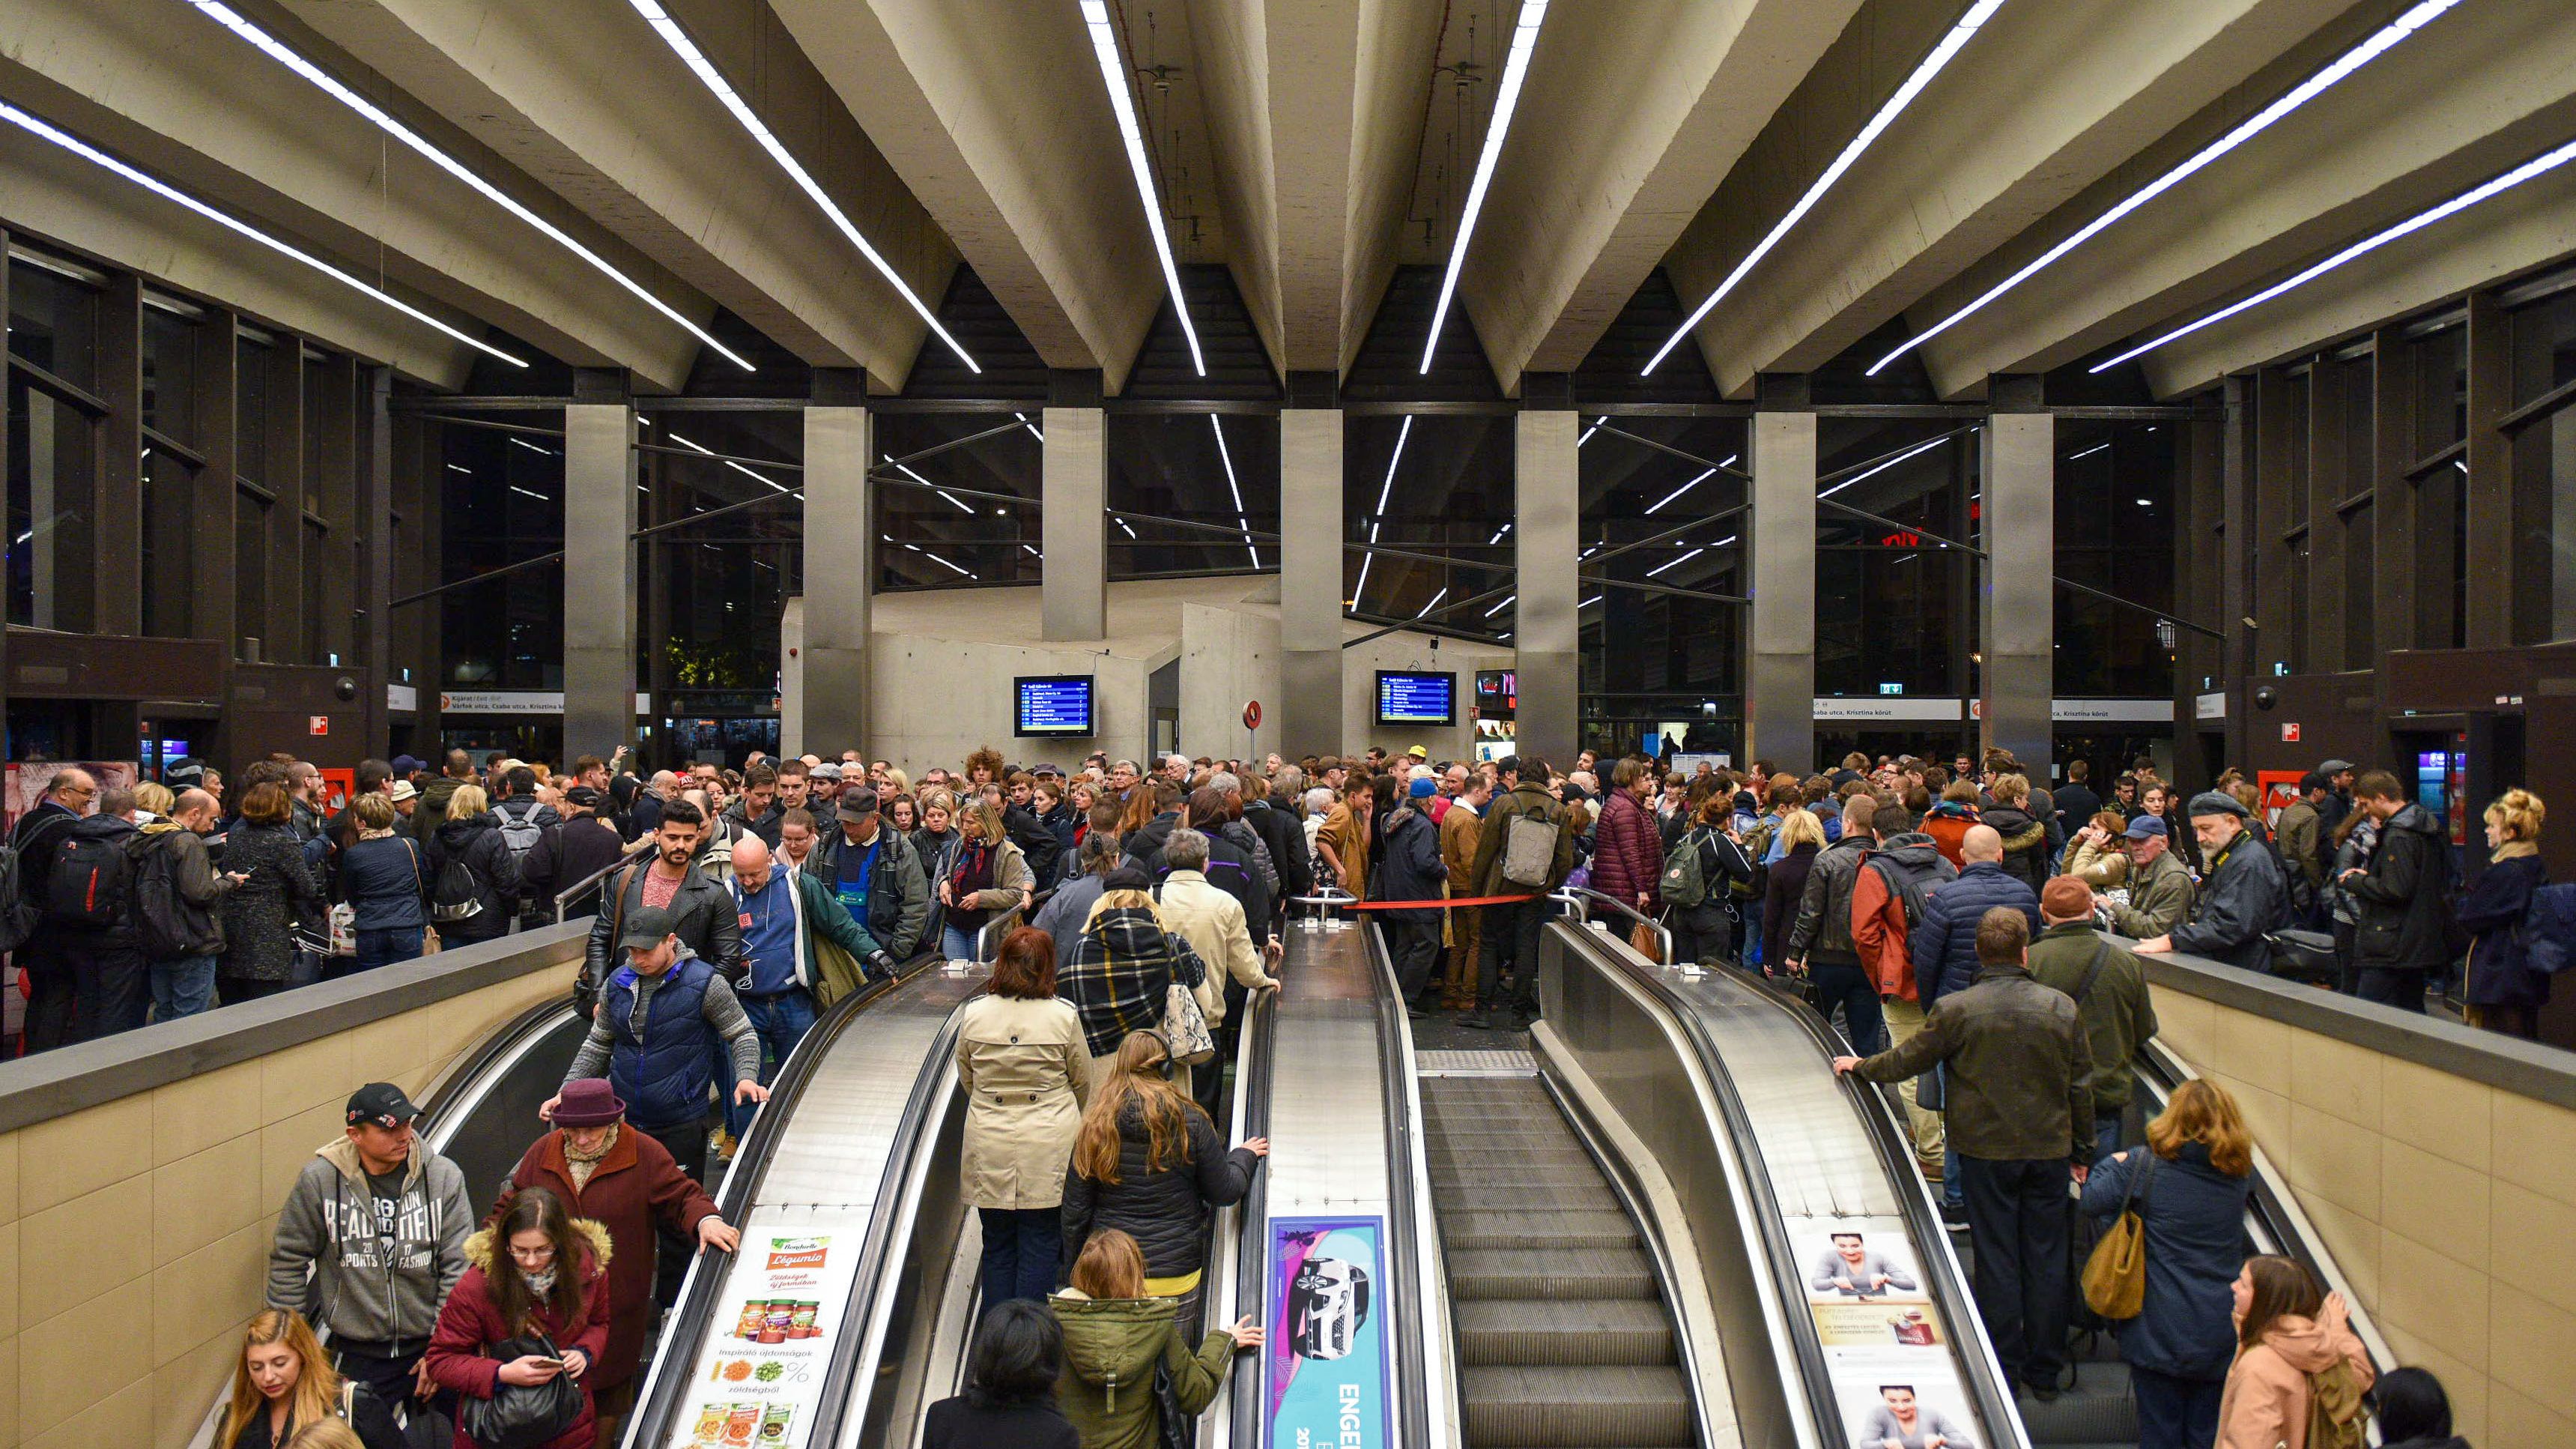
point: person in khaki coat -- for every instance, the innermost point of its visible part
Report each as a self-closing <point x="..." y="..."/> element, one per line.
<point x="1458" y="835"/>
<point x="1209" y="917"/>
<point x="1026" y="1073"/>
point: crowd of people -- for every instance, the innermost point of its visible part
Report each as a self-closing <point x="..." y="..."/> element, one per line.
<point x="1963" y="927"/>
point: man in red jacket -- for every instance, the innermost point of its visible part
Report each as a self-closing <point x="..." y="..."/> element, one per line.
<point x="622" y="1179"/>
<point x="1890" y="892"/>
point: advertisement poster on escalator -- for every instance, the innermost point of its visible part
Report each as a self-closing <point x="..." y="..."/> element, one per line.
<point x="1327" y="1335"/>
<point x="1887" y="1345"/>
<point x="777" y="1324"/>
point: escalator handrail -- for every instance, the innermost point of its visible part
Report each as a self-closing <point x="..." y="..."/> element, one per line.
<point x="1404" y="1248"/>
<point x="1249" y="1376"/>
<point x="1576" y="896"/>
<point x="1882" y="1115"/>
<point x="685" y="1326"/>
<point x="462" y="1075"/>
<point x="1766" y="1214"/>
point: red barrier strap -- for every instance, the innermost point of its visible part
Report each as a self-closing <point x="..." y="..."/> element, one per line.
<point x="1428" y="905"/>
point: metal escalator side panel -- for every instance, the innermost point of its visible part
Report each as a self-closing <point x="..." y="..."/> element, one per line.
<point x="1431" y="1402"/>
<point x="1239" y="1234"/>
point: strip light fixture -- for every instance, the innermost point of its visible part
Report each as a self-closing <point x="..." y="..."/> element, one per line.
<point x="1377" y="518"/>
<point x="276" y="50"/>
<point x="1498" y="608"/>
<point x="1675" y="563"/>
<point x="2538" y="165"/>
<point x="1958" y="36"/>
<point x="1915" y="451"/>
<point x="1113" y="72"/>
<point x="2379" y="43"/>
<point x="37" y="125"/>
<point x="1694" y="483"/>
<point x="728" y="462"/>
<point x="1241" y="518"/>
<point x="696" y="60"/>
<point x="1506" y="97"/>
<point x="1435" y="602"/>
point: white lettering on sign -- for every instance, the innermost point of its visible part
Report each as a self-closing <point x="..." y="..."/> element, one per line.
<point x="1350" y="1422"/>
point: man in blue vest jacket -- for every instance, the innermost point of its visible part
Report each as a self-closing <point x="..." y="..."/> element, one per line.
<point x="653" y="1035"/>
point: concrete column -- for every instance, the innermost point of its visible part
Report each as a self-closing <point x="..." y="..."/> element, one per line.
<point x="1310" y="582"/>
<point x="599" y="577"/>
<point x="2019" y="626"/>
<point x="840" y="574"/>
<point x="1074" y="489"/>
<point x="1547" y="628"/>
<point x="1780" y="675"/>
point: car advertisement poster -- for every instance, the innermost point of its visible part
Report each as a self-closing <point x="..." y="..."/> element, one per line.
<point x="777" y="1324"/>
<point x="1327" y="1335"/>
<point x="1887" y="1344"/>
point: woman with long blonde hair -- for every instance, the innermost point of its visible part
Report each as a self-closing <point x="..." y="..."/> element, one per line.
<point x="283" y="1384"/>
<point x="1149" y="1163"/>
<point x="2188" y="1187"/>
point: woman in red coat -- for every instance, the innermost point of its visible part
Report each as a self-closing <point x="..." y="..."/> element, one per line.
<point x="538" y="1271"/>
<point x="1628" y="846"/>
<point x="609" y="1173"/>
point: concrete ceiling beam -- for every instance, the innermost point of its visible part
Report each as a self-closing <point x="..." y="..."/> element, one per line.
<point x="162" y="86"/>
<point x="583" y="96"/>
<point x="1632" y="117"/>
<point x="2045" y="100"/>
<point x="2398" y="137"/>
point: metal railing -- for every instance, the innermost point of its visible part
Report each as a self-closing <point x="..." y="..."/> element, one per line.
<point x="1574" y="898"/>
<point x="590" y="882"/>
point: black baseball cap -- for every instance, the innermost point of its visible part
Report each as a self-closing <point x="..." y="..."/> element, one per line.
<point x="858" y="806"/>
<point x="381" y="1104"/>
<point x="647" y="927"/>
<point x="585" y="796"/>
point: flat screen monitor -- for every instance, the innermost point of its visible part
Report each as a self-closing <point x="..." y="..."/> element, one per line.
<point x="1413" y="697"/>
<point x="1053" y="706"/>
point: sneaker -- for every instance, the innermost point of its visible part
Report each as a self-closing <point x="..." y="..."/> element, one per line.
<point x="2044" y="1395"/>
<point x="1476" y="1021"/>
<point x="1954" y="1216"/>
<point x="1415" y="1013"/>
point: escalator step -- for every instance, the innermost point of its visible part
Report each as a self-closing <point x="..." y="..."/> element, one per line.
<point x="1620" y="1331"/>
<point x="1487" y="1195"/>
<point x="1576" y="1406"/>
<point x="1479" y="1228"/>
<point x="1505" y="1171"/>
<point x="1515" y="1155"/>
<point x="1554" y="1272"/>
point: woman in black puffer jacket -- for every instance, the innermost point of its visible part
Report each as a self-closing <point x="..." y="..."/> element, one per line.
<point x="472" y="834"/>
<point x="1149" y="1163"/>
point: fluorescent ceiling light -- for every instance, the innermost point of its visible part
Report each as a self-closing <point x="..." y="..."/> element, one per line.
<point x="1498" y="608"/>
<point x="1498" y="535"/>
<point x="713" y="79"/>
<point x="1113" y="72"/>
<point x="1435" y="602"/>
<point x="1032" y="427"/>
<point x="1588" y="432"/>
<point x="166" y="191"/>
<point x="2538" y="165"/>
<point x="1242" y="519"/>
<point x="1031" y="552"/>
<point x="1378" y="517"/>
<point x="460" y="468"/>
<point x="532" y="493"/>
<point x="1915" y="451"/>
<point x="233" y="21"/>
<point x="1675" y="563"/>
<point x="728" y="462"/>
<point x="934" y="558"/>
<point x="1506" y="96"/>
<point x="1506" y="634"/>
<point x="1588" y="603"/>
<point x="2089" y="452"/>
<point x="549" y="452"/>
<point x="2380" y="42"/>
<point x="1123" y="523"/>
<point x="1978" y="14"/>
<point x="1678" y="492"/>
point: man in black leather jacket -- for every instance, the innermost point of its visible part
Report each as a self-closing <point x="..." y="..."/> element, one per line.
<point x="702" y="910"/>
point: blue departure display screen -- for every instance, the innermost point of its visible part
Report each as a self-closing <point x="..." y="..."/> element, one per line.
<point x="1054" y="705"/>
<point x="1405" y="697"/>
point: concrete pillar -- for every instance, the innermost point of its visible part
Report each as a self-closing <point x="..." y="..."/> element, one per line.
<point x="2019" y="626"/>
<point x="1074" y="491"/>
<point x="1547" y="628"/>
<point x="840" y="574"/>
<point x="1780" y="677"/>
<point x="599" y="577"/>
<point x="1309" y="707"/>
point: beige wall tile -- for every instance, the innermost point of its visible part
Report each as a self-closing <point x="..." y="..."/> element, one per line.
<point x="2335" y="1077"/>
<point x="2255" y="1049"/>
<point x="2188" y="1024"/>
<point x="74" y="1360"/>
<point x="2267" y="1114"/>
<point x="2542" y="1143"/>
<point x="2466" y="1387"/>
<point x="186" y="1387"/>
<point x="2521" y="1216"/>
<point x="8" y="1177"/>
<point x="284" y="1147"/>
<point x="2352" y="1240"/>
<point x="2531" y="1344"/>
<point x="398" y="1043"/>
<point x="9" y="1261"/>
<point x="199" y="1198"/>
<point x="75" y="1251"/>
<point x="305" y="1076"/>
<point x="2445" y="1115"/>
<point x="124" y="1417"/>
<point x="2513" y="1418"/>
<point x="8" y="1393"/>
<point x="2433" y="1298"/>
<point x="2436" y="1202"/>
<point x="192" y="1115"/>
<point x="84" y="1152"/>
<point x="207" y="1292"/>
<point x="2334" y="1159"/>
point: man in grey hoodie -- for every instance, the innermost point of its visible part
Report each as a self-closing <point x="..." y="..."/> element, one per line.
<point x="371" y="1239"/>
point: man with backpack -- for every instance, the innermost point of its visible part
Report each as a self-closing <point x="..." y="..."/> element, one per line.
<point x="176" y="889"/>
<point x="524" y="820"/>
<point x="1522" y="848"/>
<point x="1891" y="893"/>
<point x="43" y="963"/>
<point x="1820" y="943"/>
<point x="89" y="895"/>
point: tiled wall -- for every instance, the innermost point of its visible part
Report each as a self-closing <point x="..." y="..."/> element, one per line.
<point x="134" y="1234"/>
<point x="2440" y="1197"/>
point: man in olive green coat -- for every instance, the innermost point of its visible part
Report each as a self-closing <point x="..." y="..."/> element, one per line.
<point x="2160" y="889"/>
<point x="2110" y="991"/>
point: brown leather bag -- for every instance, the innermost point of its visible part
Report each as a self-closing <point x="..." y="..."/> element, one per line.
<point x="2115" y="1276"/>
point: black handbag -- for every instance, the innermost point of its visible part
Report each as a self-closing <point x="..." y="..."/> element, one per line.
<point x="1175" y="1426"/>
<point x="520" y="1416"/>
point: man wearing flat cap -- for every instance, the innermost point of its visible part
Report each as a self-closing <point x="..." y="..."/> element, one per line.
<point x="2242" y="893"/>
<point x="875" y="872"/>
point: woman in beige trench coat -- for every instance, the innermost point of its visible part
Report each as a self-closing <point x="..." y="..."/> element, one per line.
<point x="1026" y="1072"/>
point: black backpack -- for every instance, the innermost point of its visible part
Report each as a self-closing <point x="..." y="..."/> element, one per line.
<point x="90" y="881"/>
<point x="18" y="916"/>
<point x="456" y="896"/>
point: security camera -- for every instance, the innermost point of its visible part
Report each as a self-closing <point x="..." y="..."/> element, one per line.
<point x="2266" y="697"/>
<point x="345" y="688"/>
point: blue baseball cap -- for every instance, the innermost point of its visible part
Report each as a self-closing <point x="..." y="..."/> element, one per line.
<point x="1424" y="789"/>
<point x="2146" y="825"/>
